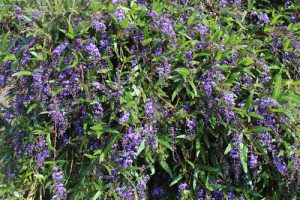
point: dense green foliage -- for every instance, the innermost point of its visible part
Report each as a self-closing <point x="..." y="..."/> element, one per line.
<point x="150" y="99"/>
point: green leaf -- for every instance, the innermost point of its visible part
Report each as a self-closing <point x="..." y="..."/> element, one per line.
<point x="249" y="100"/>
<point x="22" y="73"/>
<point x="97" y="195"/>
<point x="90" y="156"/>
<point x="176" y="91"/>
<point x="277" y="86"/>
<point x="247" y="61"/>
<point x="244" y="156"/>
<point x="9" y="57"/>
<point x="193" y="86"/>
<point x="141" y="148"/>
<point x="97" y="127"/>
<point x="33" y="106"/>
<point x="166" y="167"/>
<point x="176" y="180"/>
<point x="255" y="115"/>
<point x="147" y="41"/>
<point x="292" y="97"/>
<point x="183" y="71"/>
<point x="274" y="20"/>
<point x="228" y="148"/>
<point x="165" y="143"/>
<point x="257" y="129"/>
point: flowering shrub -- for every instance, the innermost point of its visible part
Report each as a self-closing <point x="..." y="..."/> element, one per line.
<point x="150" y="99"/>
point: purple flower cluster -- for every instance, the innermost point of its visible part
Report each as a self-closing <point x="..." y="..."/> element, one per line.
<point x="124" y="117"/>
<point x="60" y="120"/>
<point x="129" y="144"/>
<point x="191" y="127"/>
<point x="182" y="187"/>
<point x="149" y="108"/>
<point x="60" y="192"/>
<point x="126" y="193"/>
<point x="279" y="163"/>
<point x="163" y="70"/>
<point x="98" y="110"/>
<point x="59" y="49"/>
<point x="93" y="51"/>
<point x="41" y="151"/>
<point x="235" y="151"/>
<point x="264" y="17"/>
<point x="120" y="14"/>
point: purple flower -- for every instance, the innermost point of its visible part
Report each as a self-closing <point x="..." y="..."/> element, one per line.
<point x="264" y="17"/>
<point x="287" y="4"/>
<point x="164" y="70"/>
<point x="98" y="110"/>
<point x="124" y="118"/>
<point x="167" y="28"/>
<point x="59" y="49"/>
<point x="191" y="127"/>
<point x="200" y="194"/>
<point x="93" y="51"/>
<point x="230" y="195"/>
<point x="158" y="192"/>
<point x="223" y="3"/>
<point x="203" y="30"/>
<point x="119" y="14"/>
<point x="116" y="1"/>
<point x="99" y="26"/>
<point x="153" y="14"/>
<point x="235" y="151"/>
<point x="293" y="18"/>
<point x="253" y="161"/>
<point x="60" y="191"/>
<point x="130" y="144"/>
<point x="182" y="187"/>
<point x="2" y="79"/>
<point x="149" y="108"/>
<point x="279" y="163"/>
<point x="61" y="122"/>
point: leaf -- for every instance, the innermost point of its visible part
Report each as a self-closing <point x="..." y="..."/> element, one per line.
<point x="147" y="41"/>
<point x="90" y="156"/>
<point x="257" y="129"/>
<point x="165" y="143"/>
<point x="166" y="167"/>
<point x="249" y="100"/>
<point x="97" y="127"/>
<point x="22" y="73"/>
<point x="244" y="156"/>
<point x="290" y="96"/>
<point x="176" y="91"/>
<point x="9" y="57"/>
<point x="97" y="195"/>
<point x="255" y="115"/>
<point x="246" y="61"/>
<point x="277" y="86"/>
<point x="176" y="180"/>
<point x="33" y="106"/>
<point x="228" y="148"/>
<point x="193" y="86"/>
<point x="141" y="148"/>
<point x="183" y="71"/>
<point x="274" y="20"/>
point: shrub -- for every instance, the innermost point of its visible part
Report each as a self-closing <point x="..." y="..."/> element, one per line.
<point x="150" y="99"/>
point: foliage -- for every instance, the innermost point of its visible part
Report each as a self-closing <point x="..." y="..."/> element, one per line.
<point x="150" y="99"/>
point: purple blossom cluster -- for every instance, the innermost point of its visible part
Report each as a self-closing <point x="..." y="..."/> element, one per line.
<point x="129" y="146"/>
<point x="59" y="189"/>
<point x="59" y="49"/>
